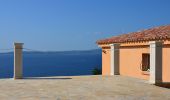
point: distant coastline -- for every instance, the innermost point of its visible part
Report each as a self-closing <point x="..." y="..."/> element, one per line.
<point x="92" y="51"/>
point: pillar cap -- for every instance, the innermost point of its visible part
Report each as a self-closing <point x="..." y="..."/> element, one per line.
<point x="114" y="44"/>
<point x="18" y="44"/>
<point x="155" y="42"/>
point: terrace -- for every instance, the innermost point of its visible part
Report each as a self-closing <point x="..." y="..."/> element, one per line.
<point x="81" y="88"/>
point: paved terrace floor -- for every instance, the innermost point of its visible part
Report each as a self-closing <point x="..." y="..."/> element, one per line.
<point x="81" y="88"/>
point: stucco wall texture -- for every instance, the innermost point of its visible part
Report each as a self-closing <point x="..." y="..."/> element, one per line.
<point x="130" y="58"/>
<point x="106" y="57"/>
<point x="166" y="63"/>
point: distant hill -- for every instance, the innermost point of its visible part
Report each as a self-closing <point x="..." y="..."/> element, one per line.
<point x="73" y="52"/>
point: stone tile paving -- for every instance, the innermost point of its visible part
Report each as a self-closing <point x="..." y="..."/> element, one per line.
<point x="81" y="88"/>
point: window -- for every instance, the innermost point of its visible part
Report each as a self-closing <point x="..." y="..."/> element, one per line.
<point x="145" y="62"/>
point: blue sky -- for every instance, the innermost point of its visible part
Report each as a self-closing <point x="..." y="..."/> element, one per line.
<point x="61" y="25"/>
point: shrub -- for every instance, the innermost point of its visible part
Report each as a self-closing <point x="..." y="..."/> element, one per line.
<point x="97" y="71"/>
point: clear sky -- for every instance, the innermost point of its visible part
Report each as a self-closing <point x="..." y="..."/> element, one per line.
<point x="58" y="25"/>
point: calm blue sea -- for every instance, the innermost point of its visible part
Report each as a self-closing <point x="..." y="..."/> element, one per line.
<point x="52" y="63"/>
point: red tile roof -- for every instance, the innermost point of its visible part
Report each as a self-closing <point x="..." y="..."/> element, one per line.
<point x="156" y="33"/>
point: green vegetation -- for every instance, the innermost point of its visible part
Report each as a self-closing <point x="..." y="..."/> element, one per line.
<point x="97" y="71"/>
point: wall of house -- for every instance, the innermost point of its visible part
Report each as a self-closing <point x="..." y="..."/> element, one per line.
<point x="130" y="61"/>
<point x="106" y="61"/>
<point x="166" y="63"/>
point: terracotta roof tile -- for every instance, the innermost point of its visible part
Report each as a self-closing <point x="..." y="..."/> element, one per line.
<point x="156" y="33"/>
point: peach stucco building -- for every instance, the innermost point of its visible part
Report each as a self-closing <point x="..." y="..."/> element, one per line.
<point x="143" y="54"/>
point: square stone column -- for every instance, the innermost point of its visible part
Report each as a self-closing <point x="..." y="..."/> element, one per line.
<point x="18" y="60"/>
<point x="155" y="62"/>
<point x="114" y="59"/>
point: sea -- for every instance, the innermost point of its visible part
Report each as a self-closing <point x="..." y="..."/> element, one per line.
<point x="44" y="64"/>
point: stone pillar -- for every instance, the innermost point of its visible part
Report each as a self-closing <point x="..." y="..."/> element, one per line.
<point x="155" y="62"/>
<point x="18" y="60"/>
<point x="114" y="59"/>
